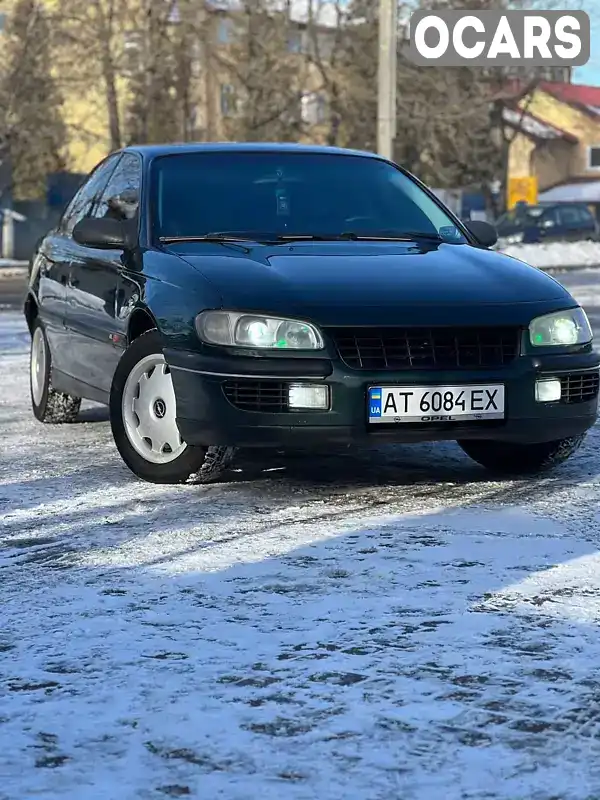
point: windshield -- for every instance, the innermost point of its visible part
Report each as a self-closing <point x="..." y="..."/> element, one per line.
<point x="288" y="194"/>
<point x="522" y="215"/>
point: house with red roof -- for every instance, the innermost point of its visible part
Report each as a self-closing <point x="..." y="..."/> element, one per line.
<point x="557" y="139"/>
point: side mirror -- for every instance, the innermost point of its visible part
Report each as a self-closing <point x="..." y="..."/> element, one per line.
<point x="103" y="233"/>
<point x="548" y="223"/>
<point x="486" y="234"/>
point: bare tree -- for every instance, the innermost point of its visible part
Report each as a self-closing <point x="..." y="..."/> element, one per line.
<point x="91" y="40"/>
<point x="164" y="54"/>
<point x="263" y="76"/>
<point x="451" y="129"/>
<point x="31" y="129"/>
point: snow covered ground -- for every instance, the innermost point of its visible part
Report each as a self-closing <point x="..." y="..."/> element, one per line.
<point x="10" y="265"/>
<point x="386" y="624"/>
<point x="556" y="255"/>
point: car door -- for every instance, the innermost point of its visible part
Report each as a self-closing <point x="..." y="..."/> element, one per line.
<point x="571" y="223"/>
<point x="549" y="226"/>
<point x="588" y="223"/>
<point x="54" y="259"/>
<point x="94" y="282"/>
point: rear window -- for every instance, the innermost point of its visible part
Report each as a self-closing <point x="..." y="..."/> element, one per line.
<point x="194" y="194"/>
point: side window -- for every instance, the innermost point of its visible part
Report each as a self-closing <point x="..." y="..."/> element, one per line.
<point x="585" y="215"/>
<point x="569" y="217"/>
<point x="550" y="218"/>
<point x="121" y="197"/>
<point x="82" y="204"/>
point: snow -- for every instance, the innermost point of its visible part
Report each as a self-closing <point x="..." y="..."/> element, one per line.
<point x="529" y="124"/>
<point x="12" y="269"/>
<point x="556" y="255"/>
<point x="375" y="624"/>
<point x="582" y="192"/>
<point x="10" y="263"/>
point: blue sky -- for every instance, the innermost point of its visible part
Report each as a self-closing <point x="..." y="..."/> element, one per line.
<point x="590" y="73"/>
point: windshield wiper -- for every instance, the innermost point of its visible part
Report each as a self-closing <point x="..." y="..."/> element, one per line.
<point x="251" y="236"/>
<point x="434" y="237"/>
<point x="209" y="237"/>
<point x="374" y="237"/>
<point x="246" y="236"/>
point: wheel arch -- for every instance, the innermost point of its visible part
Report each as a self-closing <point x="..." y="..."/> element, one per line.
<point x="31" y="310"/>
<point x="141" y="321"/>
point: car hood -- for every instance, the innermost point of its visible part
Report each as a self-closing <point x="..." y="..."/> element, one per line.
<point x="369" y="283"/>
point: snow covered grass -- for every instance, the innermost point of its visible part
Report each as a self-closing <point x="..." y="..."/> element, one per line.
<point x="556" y="255"/>
<point x="373" y="625"/>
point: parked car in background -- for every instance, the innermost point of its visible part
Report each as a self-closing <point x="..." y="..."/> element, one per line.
<point x="551" y="222"/>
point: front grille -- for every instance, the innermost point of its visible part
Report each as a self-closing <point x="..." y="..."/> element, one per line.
<point x="579" y="387"/>
<point x="425" y="348"/>
<point x="269" y="396"/>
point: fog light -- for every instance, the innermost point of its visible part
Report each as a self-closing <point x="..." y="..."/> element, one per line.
<point x="302" y="395"/>
<point x="547" y="391"/>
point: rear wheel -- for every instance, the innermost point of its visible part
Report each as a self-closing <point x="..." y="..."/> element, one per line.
<point x="47" y="405"/>
<point x="143" y="420"/>
<point x="521" y="459"/>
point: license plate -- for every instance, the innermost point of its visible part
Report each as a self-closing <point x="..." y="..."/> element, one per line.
<point x="435" y="403"/>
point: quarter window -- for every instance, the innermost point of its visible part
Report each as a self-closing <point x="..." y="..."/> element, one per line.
<point x="570" y="216"/>
<point x="82" y="203"/>
<point x="586" y="215"/>
<point x="121" y="197"/>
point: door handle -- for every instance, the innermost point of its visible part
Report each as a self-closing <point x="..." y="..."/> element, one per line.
<point x="63" y="280"/>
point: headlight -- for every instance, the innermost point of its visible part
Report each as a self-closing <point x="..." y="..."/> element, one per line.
<point x="561" y="328"/>
<point x="231" y="328"/>
<point x="516" y="238"/>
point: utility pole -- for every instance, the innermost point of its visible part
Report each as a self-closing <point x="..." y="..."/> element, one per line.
<point x="386" y="79"/>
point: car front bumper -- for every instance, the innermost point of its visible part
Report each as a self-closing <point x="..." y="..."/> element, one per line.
<point x="208" y="389"/>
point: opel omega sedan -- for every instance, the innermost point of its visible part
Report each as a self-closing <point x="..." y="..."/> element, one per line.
<point x="218" y="296"/>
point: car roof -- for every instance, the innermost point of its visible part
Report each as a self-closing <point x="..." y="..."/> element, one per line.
<point x="556" y="204"/>
<point x="150" y="151"/>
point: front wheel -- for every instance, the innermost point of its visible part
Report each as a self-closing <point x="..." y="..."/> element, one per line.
<point x="143" y="420"/>
<point x="521" y="459"/>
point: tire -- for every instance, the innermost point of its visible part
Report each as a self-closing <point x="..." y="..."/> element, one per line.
<point x="521" y="459"/>
<point x="47" y="404"/>
<point x="142" y="418"/>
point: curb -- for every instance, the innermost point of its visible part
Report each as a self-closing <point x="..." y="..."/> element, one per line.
<point x="8" y="263"/>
